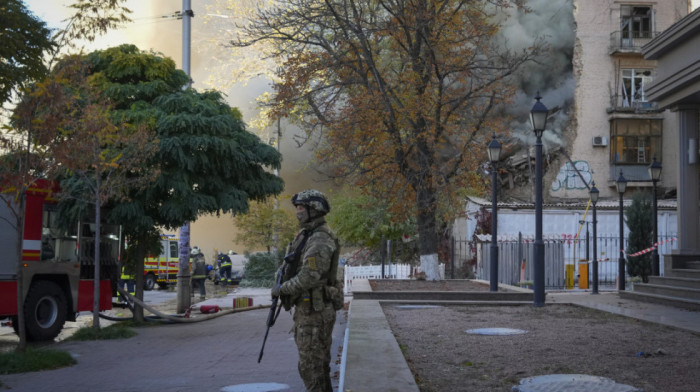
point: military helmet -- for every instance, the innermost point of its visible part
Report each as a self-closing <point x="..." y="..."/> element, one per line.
<point x="312" y="198"/>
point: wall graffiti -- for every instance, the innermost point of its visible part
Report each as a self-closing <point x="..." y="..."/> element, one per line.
<point x="568" y="178"/>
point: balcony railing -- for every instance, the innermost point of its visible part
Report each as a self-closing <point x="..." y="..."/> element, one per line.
<point x="630" y="42"/>
<point x="621" y="103"/>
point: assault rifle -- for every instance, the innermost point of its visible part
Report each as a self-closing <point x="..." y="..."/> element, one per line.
<point x="290" y="261"/>
<point x="272" y="316"/>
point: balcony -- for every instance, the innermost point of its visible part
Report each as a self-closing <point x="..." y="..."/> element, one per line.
<point x="636" y="174"/>
<point x="624" y="42"/>
<point x="622" y="104"/>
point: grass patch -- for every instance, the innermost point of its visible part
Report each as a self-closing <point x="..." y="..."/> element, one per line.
<point x="114" y="331"/>
<point x="34" y="360"/>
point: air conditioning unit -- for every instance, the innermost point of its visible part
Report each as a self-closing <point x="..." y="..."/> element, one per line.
<point x="600" y="141"/>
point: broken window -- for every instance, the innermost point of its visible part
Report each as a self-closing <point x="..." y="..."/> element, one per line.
<point x="635" y="140"/>
<point x="633" y="82"/>
<point x="636" y="21"/>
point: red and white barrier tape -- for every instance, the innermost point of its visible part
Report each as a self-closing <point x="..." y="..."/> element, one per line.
<point x="647" y="250"/>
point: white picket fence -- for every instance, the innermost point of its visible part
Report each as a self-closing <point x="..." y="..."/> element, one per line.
<point x="391" y="271"/>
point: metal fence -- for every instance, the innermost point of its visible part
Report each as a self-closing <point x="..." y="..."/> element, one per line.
<point x="560" y="250"/>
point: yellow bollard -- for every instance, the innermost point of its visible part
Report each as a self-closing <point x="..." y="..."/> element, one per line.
<point x="570" y="276"/>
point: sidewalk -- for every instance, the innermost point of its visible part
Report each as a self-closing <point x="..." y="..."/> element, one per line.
<point x="374" y="361"/>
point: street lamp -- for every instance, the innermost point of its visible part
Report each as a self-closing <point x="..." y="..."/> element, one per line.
<point x="587" y="238"/>
<point x="655" y="174"/>
<point x="494" y="154"/>
<point x="621" y="188"/>
<point x="594" y="193"/>
<point x="538" y="119"/>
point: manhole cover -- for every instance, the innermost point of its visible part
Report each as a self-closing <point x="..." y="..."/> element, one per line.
<point x="417" y="306"/>
<point x="257" y="387"/>
<point x="571" y="383"/>
<point x="495" y="331"/>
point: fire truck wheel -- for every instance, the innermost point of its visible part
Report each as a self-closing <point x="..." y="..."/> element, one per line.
<point x="149" y="282"/>
<point x="44" y="311"/>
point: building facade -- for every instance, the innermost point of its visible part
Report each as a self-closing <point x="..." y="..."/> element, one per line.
<point x="618" y="128"/>
<point x="677" y="88"/>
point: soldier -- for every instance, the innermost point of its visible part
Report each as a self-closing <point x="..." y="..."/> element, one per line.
<point x="310" y="285"/>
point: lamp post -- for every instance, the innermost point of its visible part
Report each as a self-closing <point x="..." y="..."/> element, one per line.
<point x="594" y="193"/>
<point x="655" y="174"/>
<point x="587" y="238"/>
<point x="494" y="150"/>
<point x="538" y="119"/>
<point x="621" y="188"/>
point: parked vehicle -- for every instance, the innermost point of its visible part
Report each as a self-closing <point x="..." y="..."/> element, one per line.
<point x="162" y="269"/>
<point x="58" y="264"/>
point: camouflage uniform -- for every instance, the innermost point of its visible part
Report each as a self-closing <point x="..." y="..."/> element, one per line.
<point x="314" y="314"/>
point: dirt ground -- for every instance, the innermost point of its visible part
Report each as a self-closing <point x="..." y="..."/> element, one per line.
<point x="559" y="339"/>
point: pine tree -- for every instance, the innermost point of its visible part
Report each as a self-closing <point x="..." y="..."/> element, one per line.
<point x="639" y="220"/>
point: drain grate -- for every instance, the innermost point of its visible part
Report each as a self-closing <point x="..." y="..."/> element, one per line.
<point x="257" y="387"/>
<point x="495" y="331"/>
<point x="417" y="306"/>
<point x="571" y="383"/>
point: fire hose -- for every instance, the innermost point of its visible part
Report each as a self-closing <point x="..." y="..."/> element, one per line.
<point x="160" y="316"/>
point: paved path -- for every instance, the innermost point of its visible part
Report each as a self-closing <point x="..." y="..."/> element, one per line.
<point x="215" y="355"/>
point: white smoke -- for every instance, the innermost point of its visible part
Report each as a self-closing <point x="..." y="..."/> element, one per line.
<point x="552" y="75"/>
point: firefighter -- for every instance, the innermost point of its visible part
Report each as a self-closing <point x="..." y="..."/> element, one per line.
<point x="225" y="269"/>
<point x="126" y="280"/>
<point x="199" y="272"/>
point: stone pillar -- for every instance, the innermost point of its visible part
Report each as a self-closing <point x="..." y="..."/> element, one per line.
<point x="688" y="181"/>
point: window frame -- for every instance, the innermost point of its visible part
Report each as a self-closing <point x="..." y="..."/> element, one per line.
<point x="649" y="130"/>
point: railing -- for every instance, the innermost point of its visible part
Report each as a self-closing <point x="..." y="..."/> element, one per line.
<point x="559" y="251"/>
<point x="391" y="271"/>
<point x="622" y="103"/>
<point x="625" y="41"/>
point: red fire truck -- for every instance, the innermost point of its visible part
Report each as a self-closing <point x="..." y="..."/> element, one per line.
<point x="57" y="265"/>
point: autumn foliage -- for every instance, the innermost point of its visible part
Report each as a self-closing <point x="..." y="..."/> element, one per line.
<point x="404" y="92"/>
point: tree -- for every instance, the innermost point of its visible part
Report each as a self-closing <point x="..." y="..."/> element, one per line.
<point x="22" y="61"/>
<point x="365" y="221"/>
<point x="639" y="219"/>
<point x="208" y="162"/>
<point x="98" y="160"/>
<point x="25" y="41"/>
<point x="404" y="92"/>
<point x="259" y="226"/>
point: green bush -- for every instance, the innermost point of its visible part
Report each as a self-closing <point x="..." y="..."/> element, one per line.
<point x="260" y="269"/>
<point x="639" y="220"/>
<point x="34" y="360"/>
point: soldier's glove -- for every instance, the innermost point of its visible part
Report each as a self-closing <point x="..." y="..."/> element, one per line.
<point x="276" y="290"/>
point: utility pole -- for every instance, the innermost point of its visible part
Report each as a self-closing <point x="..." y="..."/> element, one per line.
<point x="184" y="274"/>
<point x="275" y="236"/>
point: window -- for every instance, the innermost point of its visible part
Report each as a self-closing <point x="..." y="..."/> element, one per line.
<point x="633" y="82"/>
<point x="57" y="244"/>
<point x="636" y="21"/>
<point x="173" y="249"/>
<point x="635" y="141"/>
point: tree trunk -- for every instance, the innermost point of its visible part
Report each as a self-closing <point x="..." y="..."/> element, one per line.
<point x="140" y="256"/>
<point x="96" y="261"/>
<point x="183" y="275"/>
<point x="427" y="237"/>
<point x="20" y="218"/>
